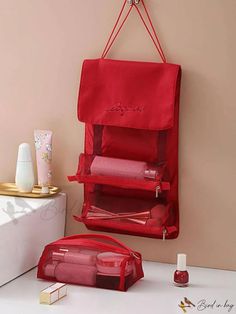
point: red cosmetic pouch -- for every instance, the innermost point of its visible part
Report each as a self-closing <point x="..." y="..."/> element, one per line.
<point x="131" y="115"/>
<point x="91" y="260"/>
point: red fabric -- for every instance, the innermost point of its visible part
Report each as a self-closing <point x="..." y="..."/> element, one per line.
<point x="139" y="138"/>
<point x="114" y="34"/>
<point x="131" y="111"/>
<point x="129" y="94"/>
<point x="89" y="242"/>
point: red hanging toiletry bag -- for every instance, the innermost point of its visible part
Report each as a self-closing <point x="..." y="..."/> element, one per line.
<point x="91" y="260"/>
<point x="129" y="167"/>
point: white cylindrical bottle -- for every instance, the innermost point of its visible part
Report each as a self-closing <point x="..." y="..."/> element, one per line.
<point x="24" y="169"/>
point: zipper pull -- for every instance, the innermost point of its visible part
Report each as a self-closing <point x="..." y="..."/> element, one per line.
<point x="164" y="232"/>
<point x="157" y="190"/>
<point x="132" y="253"/>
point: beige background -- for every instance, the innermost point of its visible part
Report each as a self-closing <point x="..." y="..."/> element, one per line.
<point x="42" y="45"/>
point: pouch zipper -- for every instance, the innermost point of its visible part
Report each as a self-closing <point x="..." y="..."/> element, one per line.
<point x="164" y="233"/>
<point x="95" y="245"/>
<point x="156" y="186"/>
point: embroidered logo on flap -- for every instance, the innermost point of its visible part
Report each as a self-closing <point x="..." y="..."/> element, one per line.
<point x="123" y="109"/>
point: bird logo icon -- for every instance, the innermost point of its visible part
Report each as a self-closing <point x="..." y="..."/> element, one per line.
<point x="186" y="304"/>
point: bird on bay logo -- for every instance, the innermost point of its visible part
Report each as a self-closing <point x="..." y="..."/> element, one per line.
<point x="186" y="304"/>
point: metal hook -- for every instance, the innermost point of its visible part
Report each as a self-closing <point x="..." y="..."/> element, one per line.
<point x="131" y="2"/>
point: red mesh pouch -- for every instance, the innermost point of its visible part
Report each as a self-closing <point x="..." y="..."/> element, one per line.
<point x="91" y="260"/>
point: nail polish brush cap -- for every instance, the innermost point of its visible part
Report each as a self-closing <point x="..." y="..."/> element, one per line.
<point x="181" y="262"/>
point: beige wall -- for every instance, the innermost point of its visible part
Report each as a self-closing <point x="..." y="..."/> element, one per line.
<point x="42" y="45"/>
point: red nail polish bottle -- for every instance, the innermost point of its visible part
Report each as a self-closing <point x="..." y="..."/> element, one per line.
<point x="181" y="277"/>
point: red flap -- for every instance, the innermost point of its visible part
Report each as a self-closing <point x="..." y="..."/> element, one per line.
<point x="131" y="94"/>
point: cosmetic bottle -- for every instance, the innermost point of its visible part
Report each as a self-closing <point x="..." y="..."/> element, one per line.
<point x="74" y="258"/>
<point x="24" y="169"/>
<point x="72" y="273"/>
<point x="43" y="147"/>
<point x="109" y="271"/>
<point x="181" y="276"/>
<point x="159" y="216"/>
<point x="106" y="166"/>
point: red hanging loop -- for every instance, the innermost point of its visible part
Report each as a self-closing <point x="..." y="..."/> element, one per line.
<point x="158" y="44"/>
<point x="108" y="45"/>
<point x="117" y="21"/>
<point x="154" y="38"/>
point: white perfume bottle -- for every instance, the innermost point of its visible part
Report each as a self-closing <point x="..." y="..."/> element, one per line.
<point x="24" y="169"/>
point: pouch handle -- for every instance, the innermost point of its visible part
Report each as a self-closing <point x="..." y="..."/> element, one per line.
<point x="154" y="38"/>
<point x="101" y="237"/>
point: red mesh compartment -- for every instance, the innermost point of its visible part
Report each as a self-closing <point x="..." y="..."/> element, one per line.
<point x="131" y="115"/>
<point x="91" y="260"/>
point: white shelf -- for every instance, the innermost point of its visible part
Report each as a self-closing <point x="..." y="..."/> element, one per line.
<point x="153" y="294"/>
<point x="26" y="226"/>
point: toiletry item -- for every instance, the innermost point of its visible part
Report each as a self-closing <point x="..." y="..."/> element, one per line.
<point x="53" y="293"/>
<point x="72" y="273"/>
<point x="159" y="215"/>
<point x="109" y="269"/>
<point x="43" y="146"/>
<point x="141" y="215"/>
<point x="113" y="281"/>
<point x="155" y="217"/>
<point x="114" y="259"/>
<point x="154" y="222"/>
<point x="74" y="258"/>
<point x="90" y="253"/>
<point x="106" y="166"/>
<point x="181" y="276"/>
<point x="110" y="263"/>
<point x="99" y="213"/>
<point x="24" y="169"/>
<point x="159" y="211"/>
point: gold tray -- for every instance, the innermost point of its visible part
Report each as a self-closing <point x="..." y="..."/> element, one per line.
<point x="10" y="189"/>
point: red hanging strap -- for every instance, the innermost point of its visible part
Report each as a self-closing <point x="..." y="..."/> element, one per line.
<point x="117" y="21"/>
<point x="157" y="44"/>
<point x="154" y="38"/>
<point x="110" y="42"/>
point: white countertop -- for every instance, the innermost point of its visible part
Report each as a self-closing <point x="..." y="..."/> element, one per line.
<point x="155" y="293"/>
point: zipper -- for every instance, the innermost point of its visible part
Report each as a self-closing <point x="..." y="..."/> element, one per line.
<point x="135" y="255"/>
<point x="94" y="245"/>
<point x="156" y="186"/>
<point x="164" y="233"/>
